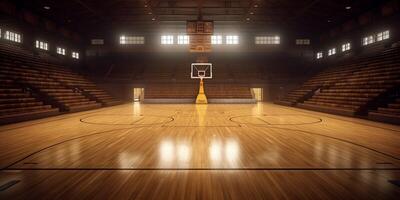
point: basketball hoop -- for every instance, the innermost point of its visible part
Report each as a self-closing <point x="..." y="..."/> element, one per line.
<point x="201" y="71"/>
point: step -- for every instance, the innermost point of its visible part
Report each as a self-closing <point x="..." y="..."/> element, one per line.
<point x="83" y="107"/>
<point x="23" y="109"/>
<point x="327" y="109"/>
<point x="19" y="100"/>
<point x="17" y="105"/>
<point x="79" y="103"/>
<point x="30" y="115"/>
<point x="384" y="117"/>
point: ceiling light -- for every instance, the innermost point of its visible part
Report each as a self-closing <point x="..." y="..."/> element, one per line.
<point x="251" y="13"/>
<point x="46" y="7"/>
<point x="248" y="19"/>
<point x="153" y="19"/>
<point x="255" y="5"/>
<point x="348" y="7"/>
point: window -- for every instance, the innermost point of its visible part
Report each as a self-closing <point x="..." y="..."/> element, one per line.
<point x="368" y="40"/>
<point x="267" y="40"/>
<point x="60" y="51"/>
<point x="346" y="47"/>
<point x="183" y="39"/>
<point x="75" y="55"/>
<point x="97" y="41"/>
<point x="167" y="39"/>
<point x="320" y="55"/>
<point x="232" y="39"/>
<point x="15" y="37"/>
<point x="303" y="42"/>
<point x="332" y="52"/>
<point x="42" y="45"/>
<point x="131" y="39"/>
<point x="216" y="39"/>
<point x="382" y="36"/>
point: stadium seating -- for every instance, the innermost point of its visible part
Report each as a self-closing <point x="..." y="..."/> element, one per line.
<point x="170" y="91"/>
<point x="228" y="91"/>
<point x="390" y="112"/>
<point x="33" y="87"/>
<point x="190" y="91"/>
<point x="18" y="104"/>
<point x="352" y="88"/>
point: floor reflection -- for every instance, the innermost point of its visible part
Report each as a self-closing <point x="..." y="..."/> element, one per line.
<point x="137" y="108"/>
<point x="220" y="153"/>
<point x="174" y="155"/>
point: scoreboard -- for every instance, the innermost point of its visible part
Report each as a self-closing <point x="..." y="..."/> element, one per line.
<point x="200" y="35"/>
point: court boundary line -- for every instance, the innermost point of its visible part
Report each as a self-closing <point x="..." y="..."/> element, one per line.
<point x="209" y="169"/>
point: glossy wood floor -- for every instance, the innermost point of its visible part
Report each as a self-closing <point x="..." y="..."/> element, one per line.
<point x="260" y="151"/>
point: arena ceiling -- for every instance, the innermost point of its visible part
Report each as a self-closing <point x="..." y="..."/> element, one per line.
<point x="310" y="15"/>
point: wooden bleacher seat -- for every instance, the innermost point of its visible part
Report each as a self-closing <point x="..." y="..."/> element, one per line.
<point x="349" y="88"/>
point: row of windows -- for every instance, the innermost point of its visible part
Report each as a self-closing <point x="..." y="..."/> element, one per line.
<point x="131" y="40"/>
<point x="376" y="38"/>
<point x="61" y="51"/>
<point x="332" y="51"/>
<point x="181" y="39"/>
<point x="267" y="40"/>
<point x="42" y="45"/>
<point x="11" y="36"/>
<point x="365" y="41"/>
<point x="303" y="42"/>
<point x="16" y="37"/>
<point x="215" y="39"/>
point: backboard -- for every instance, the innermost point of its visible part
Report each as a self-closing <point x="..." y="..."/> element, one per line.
<point x="201" y="71"/>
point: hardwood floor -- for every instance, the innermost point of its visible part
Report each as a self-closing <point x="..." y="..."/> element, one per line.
<point x="146" y="151"/>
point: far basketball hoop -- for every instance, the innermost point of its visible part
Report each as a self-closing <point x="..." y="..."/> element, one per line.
<point x="201" y="71"/>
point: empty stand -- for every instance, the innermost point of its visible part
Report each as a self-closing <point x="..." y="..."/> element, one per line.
<point x="18" y="104"/>
<point x="388" y="109"/>
<point x="187" y="92"/>
<point x="33" y="87"/>
<point x="352" y="88"/>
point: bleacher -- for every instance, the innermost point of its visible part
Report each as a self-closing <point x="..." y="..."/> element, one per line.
<point x="228" y="91"/>
<point x="18" y="103"/>
<point x="388" y="112"/>
<point x="187" y="92"/>
<point x="35" y="88"/>
<point x="352" y="88"/>
<point x="170" y="91"/>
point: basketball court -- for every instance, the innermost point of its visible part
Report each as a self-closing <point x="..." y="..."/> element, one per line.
<point x="199" y="99"/>
<point x="204" y="151"/>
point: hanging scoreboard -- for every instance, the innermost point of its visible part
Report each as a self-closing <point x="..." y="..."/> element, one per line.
<point x="200" y="35"/>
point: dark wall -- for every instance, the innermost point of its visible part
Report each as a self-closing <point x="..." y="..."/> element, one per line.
<point x="33" y="27"/>
<point x="382" y="18"/>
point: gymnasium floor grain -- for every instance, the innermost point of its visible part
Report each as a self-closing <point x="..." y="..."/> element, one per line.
<point x="150" y="151"/>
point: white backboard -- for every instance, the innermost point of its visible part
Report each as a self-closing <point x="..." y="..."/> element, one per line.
<point x="201" y="71"/>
